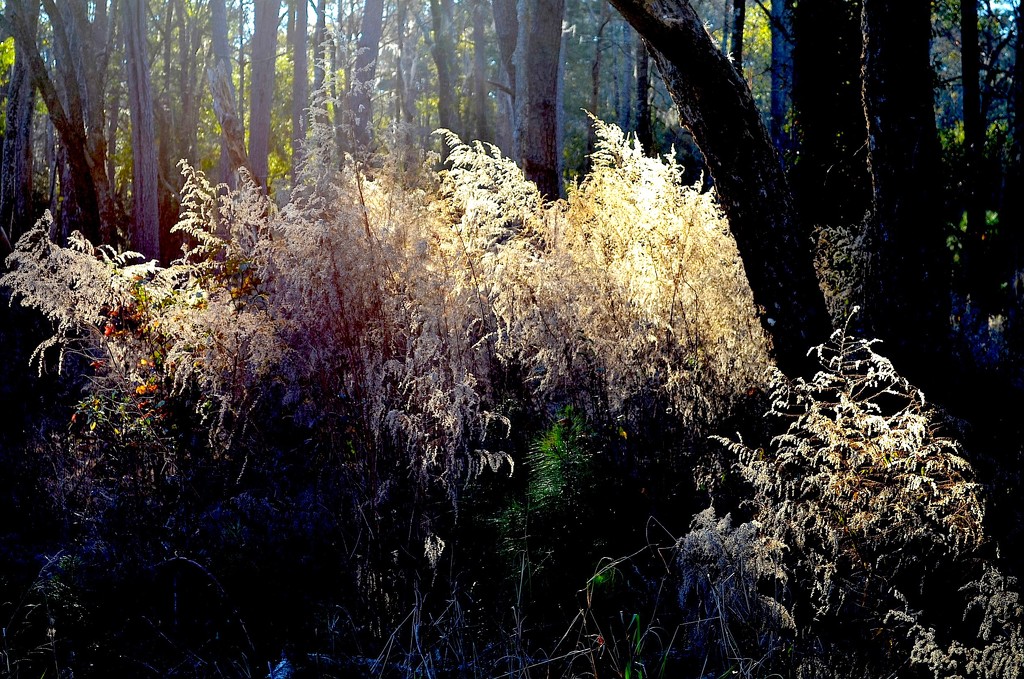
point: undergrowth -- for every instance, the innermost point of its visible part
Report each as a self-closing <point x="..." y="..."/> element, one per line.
<point x="432" y="404"/>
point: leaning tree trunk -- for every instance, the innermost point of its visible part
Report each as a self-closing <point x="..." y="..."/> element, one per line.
<point x="145" y="172"/>
<point x="907" y="295"/>
<point x="716" y="105"/>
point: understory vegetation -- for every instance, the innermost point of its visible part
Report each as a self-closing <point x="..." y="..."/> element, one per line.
<point x="418" y="423"/>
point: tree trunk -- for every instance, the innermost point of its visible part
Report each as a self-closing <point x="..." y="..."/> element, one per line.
<point x="16" y="184"/>
<point x="86" y="202"/>
<point x="908" y="286"/>
<point x="480" y="119"/>
<point x="442" y="51"/>
<point x="222" y="61"/>
<point x="644" y="132"/>
<point x="974" y="143"/>
<point x="739" y="20"/>
<point x="624" y="78"/>
<point x="300" y="81"/>
<point x="830" y="174"/>
<point x="782" y="74"/>
<point x="716" y="105"/>
<point x="595" y="79"/>
<point x="1013" y="209"/>
<point x="506" y="26"/>
<point x="145" y="197"/>
<point x="261" y="95"/>
<point x="320" y="45"/>
<point x="538" y="53"/>
<point x="367" y="51"/>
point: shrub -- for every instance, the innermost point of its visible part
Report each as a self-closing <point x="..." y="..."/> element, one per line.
<point x="880" y="522"/>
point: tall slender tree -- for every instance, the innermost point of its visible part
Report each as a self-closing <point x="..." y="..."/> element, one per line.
<point x="538" y="54"/>
<point x="16" y="174"/>
<point x="443" y="52"/>
<point x="782" y="73"/>
<point x="907" y="289"/>
<point x="261" y="95"/>
<point x="974" y="140"/>
<point x="300" y="78"/>
<point x="145" y="199"/>
<point x="365" y="71"/>
<point x="644" y="131"/>
<point x="481" y="123"/>
<point x="739" y="21"/>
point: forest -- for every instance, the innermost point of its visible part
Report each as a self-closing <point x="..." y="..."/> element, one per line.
<point x="511" y="338"/>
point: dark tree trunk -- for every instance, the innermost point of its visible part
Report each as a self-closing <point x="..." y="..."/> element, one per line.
<point x="367" y="51"/>
<point x="974" y="143"/>
<point x="1013" y="209"/>
<point x="739" y="20"/>
<point x="908" y="286"/>
<point x="261" y="96"/>
<point x="16" y="188"/>
<point x="644" y="132"/>
<point x="145" y="187"/>
<point x="716" y="105"/>
<point x="87" y="203"/>
<point x="782" y="74"/>
<point x="538" y="53"/>
<point x="830" y="175"/>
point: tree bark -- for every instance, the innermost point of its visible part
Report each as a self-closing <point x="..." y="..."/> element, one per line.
<point x="624" y="85"/>
<point x="538" y="53"/>
<point x="595" y="79"/>
<point x="222" y="62"/>
<point x="644" y="132"/>
<point x="16" y="184"/>
<point x="739" y="20"/>
<point x="506" y="26"/>
<point x="261" y="89"/>
<point x="974" y="143"/>
<point x="320" y="45"/>
<point x="782" y="74"/>
<point x="908" y="286"/>
<point x="830" y="174"/>
<point x="145" y="172"/>
<point x="367" y="51"/>
<point x="481" y="124"/>
<point x="86" y="203"/>
<point x="442" y="51"/>
<point x="300" y="81"/>
<point x="716" y="105"/>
